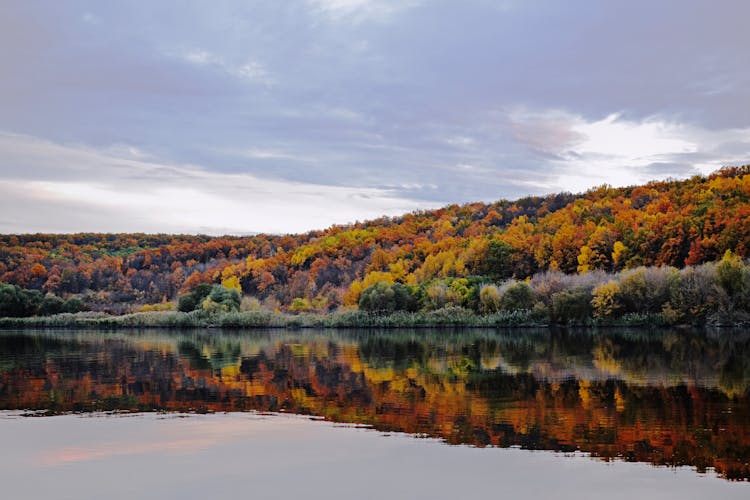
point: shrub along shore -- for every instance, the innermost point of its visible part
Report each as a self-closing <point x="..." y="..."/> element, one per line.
<point x="446" y="317"/>
<point x="711" y="294"/>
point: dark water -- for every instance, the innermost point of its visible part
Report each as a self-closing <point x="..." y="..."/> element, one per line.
<point x="661" y="398"/>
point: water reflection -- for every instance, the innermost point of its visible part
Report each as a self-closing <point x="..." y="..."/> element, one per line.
<point x="665" y="397"/>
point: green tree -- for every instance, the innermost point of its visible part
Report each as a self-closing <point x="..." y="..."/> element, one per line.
<point x="383" y="297"/>
<point x="18" y="302"/>
<point x="222" y="299"/>
<point x="499" y="263"/>
<point x="193" y="300"/>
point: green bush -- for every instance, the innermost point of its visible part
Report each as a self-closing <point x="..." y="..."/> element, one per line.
<point x="571" y="306"/>
<point x="18" y="302"/>
<point x="694" y="295"/>
<point x="516" y="296"/>
<point x="731" y="275"/>
<point x="51" y="304"/>
<point x="437" y="295"/>
<point x="211" y="299"/>
<point x="73" y="305"/>
<point x="386" y="298"/>
<point x="645" y="290"/>
<point x="222" y="299"/>
<point x="194" y="299"/>
<point x="489" y="299"/>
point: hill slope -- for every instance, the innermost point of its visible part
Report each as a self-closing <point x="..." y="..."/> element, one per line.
<point x="675" y="223"/>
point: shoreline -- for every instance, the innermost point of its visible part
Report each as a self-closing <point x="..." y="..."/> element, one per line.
<point x="442" y="318"/>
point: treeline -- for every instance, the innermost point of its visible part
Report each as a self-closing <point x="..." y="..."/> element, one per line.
<point x="711" y="293"/>
<point x="19" y="302"/>
<point x="716" y="293"/>
<point x="604" y="230"/>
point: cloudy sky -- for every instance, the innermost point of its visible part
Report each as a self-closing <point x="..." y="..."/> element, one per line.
<point x="284" y="116"/>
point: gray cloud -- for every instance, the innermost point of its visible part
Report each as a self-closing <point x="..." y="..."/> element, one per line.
<point x="676" y="170"/>
<point x="110" y="193"/>
<point x="429" y="101"/>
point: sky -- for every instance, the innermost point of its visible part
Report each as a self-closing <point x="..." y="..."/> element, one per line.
<point x="237" y="117"/>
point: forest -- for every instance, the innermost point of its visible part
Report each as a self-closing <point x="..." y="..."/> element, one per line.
<point x="674" y="251"/>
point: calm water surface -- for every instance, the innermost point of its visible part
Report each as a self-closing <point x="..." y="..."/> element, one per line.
<point x="663" y="414"/>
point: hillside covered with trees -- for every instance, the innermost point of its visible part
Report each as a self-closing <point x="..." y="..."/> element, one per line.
<point x="483" y="256"/>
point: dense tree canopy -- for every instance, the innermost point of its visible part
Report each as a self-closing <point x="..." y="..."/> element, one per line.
<point x="668" y="223"/>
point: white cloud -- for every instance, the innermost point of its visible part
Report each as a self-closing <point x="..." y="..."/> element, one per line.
<point x="618" y="151"/>
<point x="360" y="10"/>
<point x="201" y="57"/>
<point x="249" y="69"/>
<point x="90" y="18"/>
<point x="461" y="141"/>
<point x="270" y="154"/>
<point x="54" y="187"/>
<point x="253" y="71"/>
<point x="638" y="143"/>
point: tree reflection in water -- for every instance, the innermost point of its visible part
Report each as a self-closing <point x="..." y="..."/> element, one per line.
<point x="663" y="397"/>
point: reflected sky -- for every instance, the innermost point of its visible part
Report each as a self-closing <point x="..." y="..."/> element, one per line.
<point x="281" y="456"/>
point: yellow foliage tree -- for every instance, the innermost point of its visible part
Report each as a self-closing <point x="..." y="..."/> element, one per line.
<point x="399" y="270"/>
<point x="351" y="297"/>
<point x="303" y="254"/>
<point x="618" y="252"/>
<point x="442" y="265"/>
<point x="606" y="299"/>
<point x="232" y="282"/>
<point x="584" y="259"/>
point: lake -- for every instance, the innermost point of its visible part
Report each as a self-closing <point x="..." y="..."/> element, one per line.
<point x="375" y="414"/>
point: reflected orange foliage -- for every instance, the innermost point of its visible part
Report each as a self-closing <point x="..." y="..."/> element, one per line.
<point x="443" y="394"/>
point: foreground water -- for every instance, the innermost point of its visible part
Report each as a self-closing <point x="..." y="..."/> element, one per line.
<point x="596" y="400"/>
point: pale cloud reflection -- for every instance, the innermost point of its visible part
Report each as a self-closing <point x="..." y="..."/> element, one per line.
<point x="174" y="435"/>
<point x="100" y="451"/>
